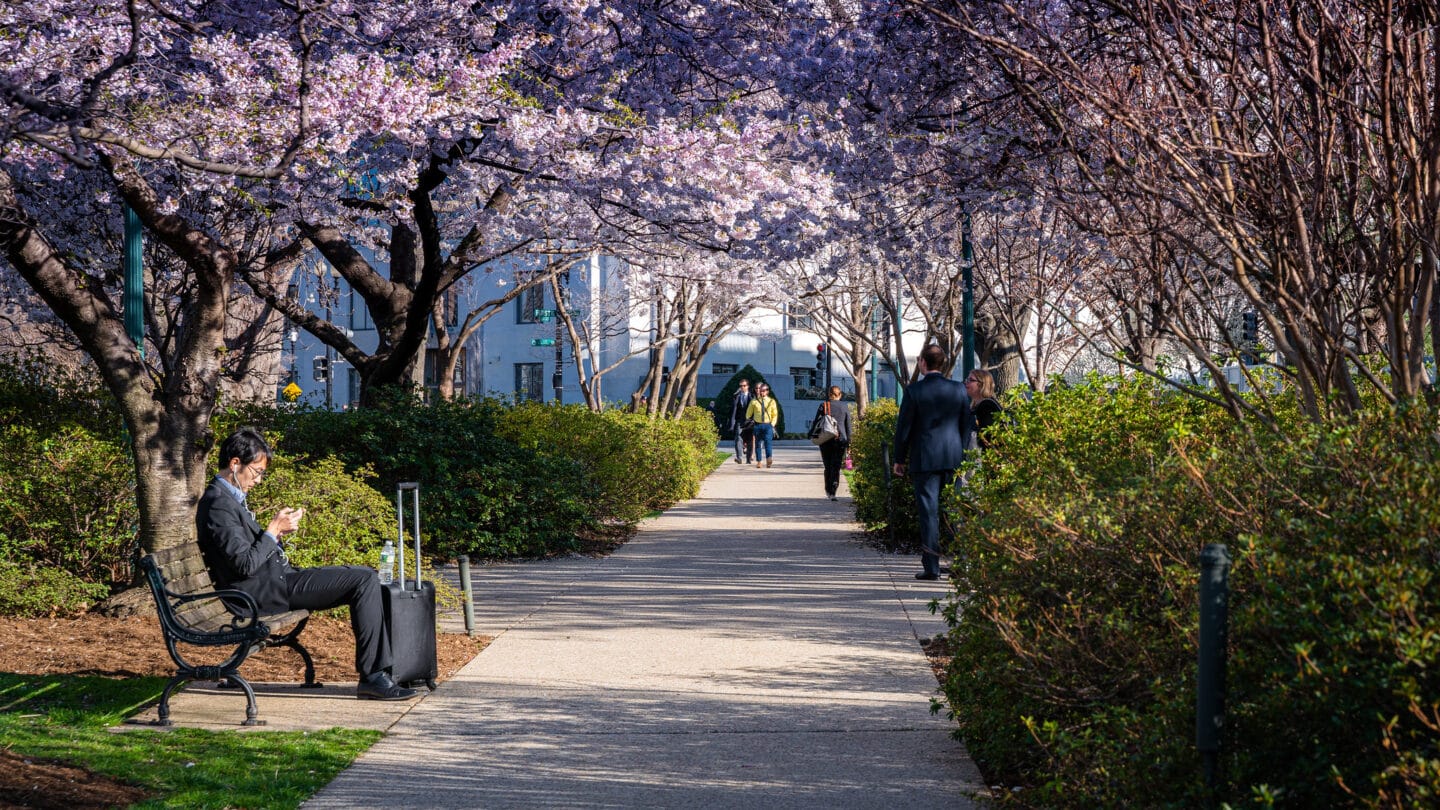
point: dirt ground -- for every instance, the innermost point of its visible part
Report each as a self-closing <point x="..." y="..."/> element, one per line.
<point x="123" y="648"/>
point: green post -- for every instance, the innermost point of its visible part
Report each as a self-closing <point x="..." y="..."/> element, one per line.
<point x="967" y="267"/>
<point x="134" y="300"/>
<point x="874" y="361"/>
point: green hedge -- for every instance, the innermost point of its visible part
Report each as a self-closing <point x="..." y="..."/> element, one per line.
<point x="887" y="511"/>
<point x="502" y="481"/>
<point x="554" y="480"/>
<point x="635" y="464"/>
<point x="481" y="494"/>
<point x="1075" y="643"/>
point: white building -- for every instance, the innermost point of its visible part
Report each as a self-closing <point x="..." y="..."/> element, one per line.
<point x="514" y="355"/>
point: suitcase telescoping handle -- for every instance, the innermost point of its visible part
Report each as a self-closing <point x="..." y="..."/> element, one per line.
<point x="414" y="489"/>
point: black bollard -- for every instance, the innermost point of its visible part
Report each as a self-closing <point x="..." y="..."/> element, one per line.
<point x="1210" y="675"/>
<point x="889" y="499"/>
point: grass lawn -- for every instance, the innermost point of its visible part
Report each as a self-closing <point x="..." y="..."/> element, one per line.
<point x="63" y="717"/>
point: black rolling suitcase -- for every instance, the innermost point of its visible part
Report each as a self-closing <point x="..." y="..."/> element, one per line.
<point x="410" y="608"/>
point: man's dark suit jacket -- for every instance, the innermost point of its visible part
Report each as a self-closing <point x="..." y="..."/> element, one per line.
<point x="238" y="552"/>
<point x="934" y="424"/>
<point x="737" y="409"/>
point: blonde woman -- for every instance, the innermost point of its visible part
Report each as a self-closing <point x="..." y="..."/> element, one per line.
<point x="766" y="412"/>
<point x="980" y="385"/>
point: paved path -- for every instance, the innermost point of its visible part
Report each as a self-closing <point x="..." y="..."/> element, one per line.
<point x="743" y="650"/>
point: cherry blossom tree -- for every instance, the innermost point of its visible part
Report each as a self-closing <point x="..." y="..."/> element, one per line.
<point x="430" y="139"/>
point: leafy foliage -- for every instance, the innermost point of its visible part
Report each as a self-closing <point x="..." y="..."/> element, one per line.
<point x="480" y="494"/>
<point x="66" y="501"/>
<point x="1075" y="645"/>
<point x="346" y="521"/>
<point x="35" y="590"/>
<point x="633" y="464"/>
<point x="885" y="505"/>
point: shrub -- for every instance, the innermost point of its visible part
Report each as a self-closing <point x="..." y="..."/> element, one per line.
<point x="66" y="502"/>
<point x="886" y="510"/>
<point x="346" y="521"/>
<point x="1075" y="644"/>
<point x="453" y="451"/>
<point x="31" y="590"/>
<point x="48" y="398"/>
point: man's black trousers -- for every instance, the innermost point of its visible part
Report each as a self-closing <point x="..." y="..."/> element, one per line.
<point x="357" y="586"/>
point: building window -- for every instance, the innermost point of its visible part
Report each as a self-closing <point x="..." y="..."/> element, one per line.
<point x="352" y="386"/>
<point x="432" y="374"/>
<point x="359" y="313"/>
<point x="724" y="368"/>
<point x="529" y="382"/>
<point x="807" y="383"/>
<point x="527" y="302"/>
<point x="452" y="307"/>
<point x="799" y="318"/>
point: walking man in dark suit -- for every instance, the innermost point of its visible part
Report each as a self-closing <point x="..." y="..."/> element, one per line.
<point x="930" y="436"/>
<point x="737" y="419"/>
<point x="242" y="555"/>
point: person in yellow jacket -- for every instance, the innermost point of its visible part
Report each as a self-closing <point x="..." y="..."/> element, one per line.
<point x="765" y="412"/>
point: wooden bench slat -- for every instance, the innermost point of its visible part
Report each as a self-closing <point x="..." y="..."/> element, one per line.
<point x="166" y="556"/>
<point x="190" y="583"/>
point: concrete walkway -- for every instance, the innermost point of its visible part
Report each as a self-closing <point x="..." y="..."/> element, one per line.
<point x="743" y="650"/>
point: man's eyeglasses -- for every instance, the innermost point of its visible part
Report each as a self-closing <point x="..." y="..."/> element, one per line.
<point x="257" y="472"/>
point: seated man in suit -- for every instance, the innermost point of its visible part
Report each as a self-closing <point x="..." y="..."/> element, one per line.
<point x="242" y="555"/>
<point x="930" y="436"/>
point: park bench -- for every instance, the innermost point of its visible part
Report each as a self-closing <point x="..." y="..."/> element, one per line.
<point x="192" y="611"/>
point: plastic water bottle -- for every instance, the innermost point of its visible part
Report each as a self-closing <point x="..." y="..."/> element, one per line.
<point x="387" y="563"/>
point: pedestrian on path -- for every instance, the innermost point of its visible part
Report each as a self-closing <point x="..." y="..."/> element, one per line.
<point x="931" y="434"/>
<point x="766" y="412"/>
<point x="832" y="453"/>
<point x="980" y="386"/>
<point x="738" y="420"/>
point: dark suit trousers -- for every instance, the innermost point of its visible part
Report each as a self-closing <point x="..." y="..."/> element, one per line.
<point x="358" y="587"/>
<point x="928" y="487"/>
<point x="832" y="453"/>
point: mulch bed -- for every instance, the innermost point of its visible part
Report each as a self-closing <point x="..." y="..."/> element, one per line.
<point x="131" y="647"/>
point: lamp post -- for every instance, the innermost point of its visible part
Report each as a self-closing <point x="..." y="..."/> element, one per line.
<point x="874" y="361"/>
<point x="967" y="269"/>
<point x="134" y="300"/>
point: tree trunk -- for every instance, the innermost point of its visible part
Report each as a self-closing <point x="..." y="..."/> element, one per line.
<point x="168" y="419"/>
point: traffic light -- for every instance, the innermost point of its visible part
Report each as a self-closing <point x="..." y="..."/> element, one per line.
<point x="821" y="356"/>
<point x="322" y="369"/>
<point x="1249" y="337"/>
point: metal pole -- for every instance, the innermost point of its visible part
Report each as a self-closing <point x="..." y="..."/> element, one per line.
<point x="1210" y="673"/>
<point x="329" y="353"/>
<point x="829" y="377"/>
<point x="468" y="594"/>
<point x="889" y="499"/>
<point x="967" y="266"/>
<point x="558" y="378"/>
<point x="874" y="360"/>
<point x="134" y="302"/>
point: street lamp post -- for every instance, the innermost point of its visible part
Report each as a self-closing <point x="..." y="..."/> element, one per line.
<point x="134" y="301"/>
<point x="967" y="267"/>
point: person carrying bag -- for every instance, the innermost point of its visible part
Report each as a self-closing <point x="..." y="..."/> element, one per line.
<point x="831" y="430"/>
<point x="824" y="428"/>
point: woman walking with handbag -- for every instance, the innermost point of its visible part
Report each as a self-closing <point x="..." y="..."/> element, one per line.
<point x="832" y="451"/>
<point x="766" y="412"/>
